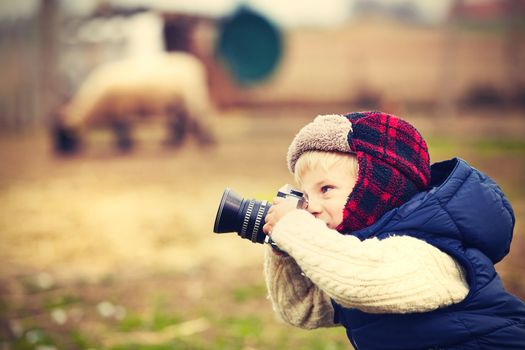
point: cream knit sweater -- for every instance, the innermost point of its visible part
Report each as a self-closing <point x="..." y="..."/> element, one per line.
<point x="400" y="274"/>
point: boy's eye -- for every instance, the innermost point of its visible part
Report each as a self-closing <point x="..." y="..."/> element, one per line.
<point x="326" y="188"/>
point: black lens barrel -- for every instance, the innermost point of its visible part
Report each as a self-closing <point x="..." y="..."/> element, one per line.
<point x="225" y="221"/>
<point x="244" y="216"/>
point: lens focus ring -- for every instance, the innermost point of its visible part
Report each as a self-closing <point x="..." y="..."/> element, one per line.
<point x="258" y="220"/>
<point x="247" y="218"/>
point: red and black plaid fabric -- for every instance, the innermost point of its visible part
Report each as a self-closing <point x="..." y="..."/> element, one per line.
<point x="393" y="166"/>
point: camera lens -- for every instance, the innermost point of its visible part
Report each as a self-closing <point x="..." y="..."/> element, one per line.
<point x="244" y="216"/>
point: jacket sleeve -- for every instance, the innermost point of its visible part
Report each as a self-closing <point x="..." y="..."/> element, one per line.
<point x="399" y="274"/>
<point x="295" y="299"/>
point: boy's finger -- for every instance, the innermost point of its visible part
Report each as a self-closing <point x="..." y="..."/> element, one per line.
<point x="267" y="228"/>
<point x="277" y="200"/>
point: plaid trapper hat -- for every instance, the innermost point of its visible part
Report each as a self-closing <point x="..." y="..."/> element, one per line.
<point x="392" y="156"/>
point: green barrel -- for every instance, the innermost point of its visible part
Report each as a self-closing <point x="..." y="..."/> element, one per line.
<point x="249" y="45"/>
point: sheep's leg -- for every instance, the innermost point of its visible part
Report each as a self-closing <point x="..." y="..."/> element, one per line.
<point x="177" y="126"/>
<point x="122" y="132"/>
<point x="66" y="140"/>
<point x="202" y="133"/>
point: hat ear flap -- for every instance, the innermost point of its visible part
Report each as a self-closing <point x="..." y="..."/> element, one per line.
<point x="393" y="166"/>
<point x="379" y="188"/>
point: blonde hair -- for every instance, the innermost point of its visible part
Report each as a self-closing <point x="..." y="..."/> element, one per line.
<point x="324" y="160"/>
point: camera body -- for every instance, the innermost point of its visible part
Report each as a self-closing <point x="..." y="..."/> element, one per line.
<point x="287" y="191"/>
<point x="246" y="216"/>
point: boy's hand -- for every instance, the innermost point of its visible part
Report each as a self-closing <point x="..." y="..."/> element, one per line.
<point x="280" y="207"/>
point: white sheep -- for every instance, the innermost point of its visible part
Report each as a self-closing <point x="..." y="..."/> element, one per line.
<point x="173" y="85"/>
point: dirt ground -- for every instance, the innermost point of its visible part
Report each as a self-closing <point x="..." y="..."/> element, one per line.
<point x="131" y="233"/>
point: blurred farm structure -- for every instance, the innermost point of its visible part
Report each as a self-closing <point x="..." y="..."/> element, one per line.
<point x="473" y="58"/>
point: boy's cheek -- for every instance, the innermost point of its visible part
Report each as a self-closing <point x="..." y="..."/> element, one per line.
<point x="333" y="227"/>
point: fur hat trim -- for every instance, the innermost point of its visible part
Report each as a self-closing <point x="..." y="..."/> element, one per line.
<point x="326" y="133"/>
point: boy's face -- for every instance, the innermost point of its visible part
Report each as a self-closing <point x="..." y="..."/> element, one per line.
<point x="327" y="192"/>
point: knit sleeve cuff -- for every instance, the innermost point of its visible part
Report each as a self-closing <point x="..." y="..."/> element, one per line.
<point x="295" y="299"/>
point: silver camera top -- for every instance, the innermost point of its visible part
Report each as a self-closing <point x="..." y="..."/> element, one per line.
<point x="288" y="191"/>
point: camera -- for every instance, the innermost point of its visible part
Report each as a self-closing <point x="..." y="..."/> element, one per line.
<point x="246" y="216"/>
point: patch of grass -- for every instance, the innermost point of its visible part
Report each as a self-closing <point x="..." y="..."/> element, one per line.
<point x="245" y="293"/>
<point x="157" y="321"/>
<point x="162" y="319"/>
<point x="254" y="331"/>
<point x="61" y="301"/>
<point x="131" y="322"/>
<point x="287" y="337"/>
<point x="441" y="145"/>
<point x="499" y="146"/>
<point x="175" y="344"/>
<point x="80" y="341"/>
<point x="163" y="316"/>
<point x="243" y="327"/>
<point x="31" y="285"/>
<point x="32" y="339"/>
<point x="238" y="332"/>
<point x="4" y="307"/>
<point x="481" y="146"/>
<point x="317" y="343"/>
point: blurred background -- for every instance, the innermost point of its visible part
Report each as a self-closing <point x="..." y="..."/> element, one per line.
<point x="122" y="121"/>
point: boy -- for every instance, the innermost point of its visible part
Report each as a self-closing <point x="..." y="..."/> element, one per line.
<point x="399" y="253"/>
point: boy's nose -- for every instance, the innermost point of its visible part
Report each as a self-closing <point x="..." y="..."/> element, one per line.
<point x="313" y="206"/>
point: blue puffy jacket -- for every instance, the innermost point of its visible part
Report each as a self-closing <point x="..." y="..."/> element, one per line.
<point x="466" y="215"/>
